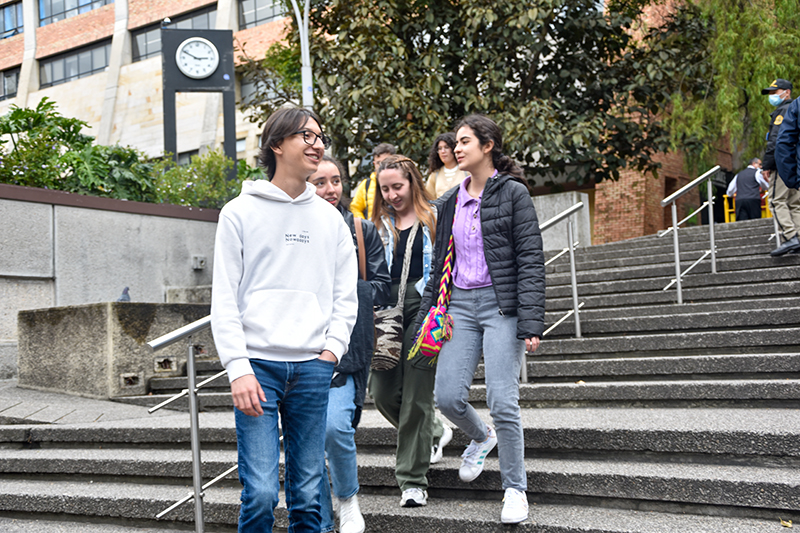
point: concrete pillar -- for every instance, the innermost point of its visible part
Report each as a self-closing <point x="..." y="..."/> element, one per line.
<point x="120" y="55"/>
<point x="29" y="72"/>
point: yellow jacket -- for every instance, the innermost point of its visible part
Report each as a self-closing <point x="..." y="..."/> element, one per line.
<point x="364" y="199"/>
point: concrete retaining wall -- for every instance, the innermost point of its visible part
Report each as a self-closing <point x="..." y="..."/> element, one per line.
<point x="555" y="238"/>
<point x="99" y="350"/>
<point x="61" y="249"/>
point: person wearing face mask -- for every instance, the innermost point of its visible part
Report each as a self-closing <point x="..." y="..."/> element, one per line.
<point x="349" y="383"/>
<point x="784" y="202"/>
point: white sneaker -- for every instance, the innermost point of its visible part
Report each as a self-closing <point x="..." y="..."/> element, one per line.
<point x="437" y="450"/>
<point x="474" y="456"/>
<point x="350" y="519"/>
<point x="414" y="498"/>
<point x="515" y="507"/>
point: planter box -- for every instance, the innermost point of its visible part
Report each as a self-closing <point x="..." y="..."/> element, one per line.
<point x="99" y="350"/>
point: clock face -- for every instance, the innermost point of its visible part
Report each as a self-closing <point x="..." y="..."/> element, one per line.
<point x="197" y="58"/>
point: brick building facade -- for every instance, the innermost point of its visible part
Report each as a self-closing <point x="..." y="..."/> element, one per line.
<point x="101" y="62"/>
<point x="91" y="60"/>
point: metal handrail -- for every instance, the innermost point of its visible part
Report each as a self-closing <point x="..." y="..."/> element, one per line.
<point x="561" y="216"/>
<point x="170" y="338"/>
<point x="671" y="201"/>
<point x="181" y="333"/>
<point x="689" y="186"/>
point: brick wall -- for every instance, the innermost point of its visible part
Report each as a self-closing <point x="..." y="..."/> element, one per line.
<point x="11" y="51"/>
<point x="74" y="32"/>
<point x="631" y="207"/>
<point x="144" y="12"/>
<point x="257" y="40"/>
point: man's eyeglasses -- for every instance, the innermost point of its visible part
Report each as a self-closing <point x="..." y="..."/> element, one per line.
<point x="310" y="138"/>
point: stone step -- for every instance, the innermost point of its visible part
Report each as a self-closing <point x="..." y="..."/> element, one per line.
<point x="743" y="486"/>
<point x="381" y="512"/>
<point x="595" y="391"/>
<point x="743" y="246"/>
<point x="750" y="304"/>
<point x="771" y="268"/>
<point x="683" y="322"/>
<point x="699" y="367"/>
<point x="59" y="525"/>
<point x="693" y="280"/>
<point x="693" y="291"/>
<point x="684" y="343"/>
<point x="728" y="433"/>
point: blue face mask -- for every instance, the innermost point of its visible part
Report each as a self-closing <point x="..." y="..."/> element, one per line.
<point x="775" y="100"/>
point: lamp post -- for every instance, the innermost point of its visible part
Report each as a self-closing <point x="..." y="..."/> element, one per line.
<point x="305" y="54"/>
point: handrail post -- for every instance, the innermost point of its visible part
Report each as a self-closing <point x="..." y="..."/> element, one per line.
<point x="677" y="251"/>
<point x="195" y="438"/>
<point x="573" y="277"/>
<point x="711" y="225"/>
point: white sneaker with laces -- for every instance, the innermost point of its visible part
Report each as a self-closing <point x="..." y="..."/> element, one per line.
<point x="438" y="449"/>
<point x="474" y="456"/>
<point x="350" y="519"/>
<point x="414" y="498"/>
<point x="515" y="507"/>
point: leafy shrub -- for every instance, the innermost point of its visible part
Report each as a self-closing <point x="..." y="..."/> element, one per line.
<point x="41" y="148"/>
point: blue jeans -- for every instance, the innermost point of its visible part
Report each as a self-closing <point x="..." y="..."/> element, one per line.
<point x="299" y="393"/>
<point x="479" y="328"/>
<point x="340" y="447"/>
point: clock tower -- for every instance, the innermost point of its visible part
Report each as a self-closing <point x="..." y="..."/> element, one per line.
<point x="198" y="61"/>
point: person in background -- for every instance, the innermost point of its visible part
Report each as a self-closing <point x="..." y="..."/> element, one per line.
<point x="787" y="147"/>
<point x="364" y="198"/>
<point x="746" y="186"/>
<point x="283" y="305"/>
<point x="497" y="304"/>
<point x="784" y="202"/>
<point x="445" y="173"/>
<point x="349" y="384"/>
<point x="404" y="394"/>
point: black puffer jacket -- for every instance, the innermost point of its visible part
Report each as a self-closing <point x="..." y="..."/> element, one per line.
<point x="512" y="244"/>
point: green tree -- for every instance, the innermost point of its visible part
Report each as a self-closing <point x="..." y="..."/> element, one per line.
<point x="552" y="73"/>
<point x="709" y="61"/>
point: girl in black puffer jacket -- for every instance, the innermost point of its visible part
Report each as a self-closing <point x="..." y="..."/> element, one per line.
<point x="497" y="303"/>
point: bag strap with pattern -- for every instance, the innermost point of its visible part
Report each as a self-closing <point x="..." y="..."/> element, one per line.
<point x="401" y="295"/>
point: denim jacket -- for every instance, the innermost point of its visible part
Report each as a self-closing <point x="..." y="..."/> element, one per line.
<point x="427" y="251"/>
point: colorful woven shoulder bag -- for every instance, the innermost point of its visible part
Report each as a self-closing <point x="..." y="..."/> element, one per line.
<point x="437" y="327"/>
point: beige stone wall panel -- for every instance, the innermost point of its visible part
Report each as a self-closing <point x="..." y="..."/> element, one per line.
<point x="138" y="115"/>
<point x="11" y="51"/>
<point x="82" y="99"/>
<point x="145" y="12"/>
<point x="74" y="32"/>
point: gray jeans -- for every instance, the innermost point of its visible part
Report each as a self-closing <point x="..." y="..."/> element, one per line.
<point x="479" y="328"/>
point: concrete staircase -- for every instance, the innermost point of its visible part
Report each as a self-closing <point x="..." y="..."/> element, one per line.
<point x="662" y="418"/>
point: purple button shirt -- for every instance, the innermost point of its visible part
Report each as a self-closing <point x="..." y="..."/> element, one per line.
<point x="471" y="270"/>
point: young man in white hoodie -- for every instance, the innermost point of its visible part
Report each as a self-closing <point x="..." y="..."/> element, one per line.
<point x="283" y="306"/>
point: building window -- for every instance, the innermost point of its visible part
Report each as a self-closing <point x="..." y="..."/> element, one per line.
<point x="11" y="19"/>
<point x="54" y="10"/>
<point x="147" y="41"/>
<point x="9" y="79"/>
<point x="255" y="12"/>
<point x="185" y="158"/>
<point x="74" y="65"/>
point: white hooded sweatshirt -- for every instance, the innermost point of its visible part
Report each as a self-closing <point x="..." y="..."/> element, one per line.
<point x="284" y="283"/>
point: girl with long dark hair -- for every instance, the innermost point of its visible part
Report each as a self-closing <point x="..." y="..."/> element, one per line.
<point x="497" y="304"/>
